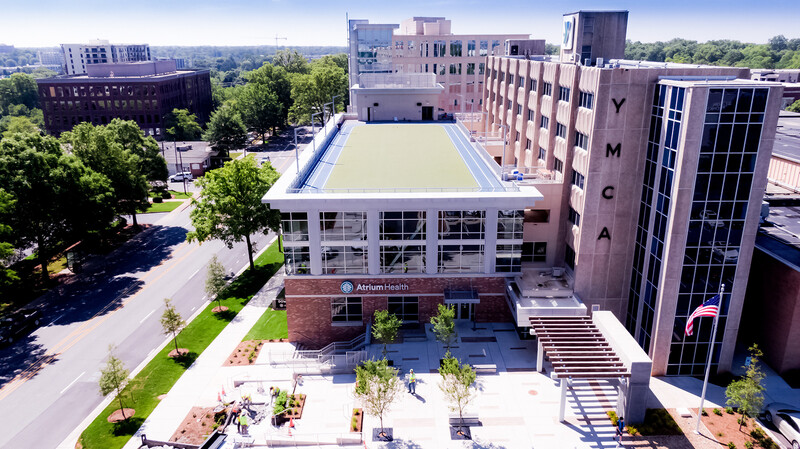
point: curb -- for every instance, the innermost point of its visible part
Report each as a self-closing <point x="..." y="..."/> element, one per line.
<point x="72" y="439"/>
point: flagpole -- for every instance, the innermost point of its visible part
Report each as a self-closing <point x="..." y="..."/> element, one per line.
<point x="710" y="355"/>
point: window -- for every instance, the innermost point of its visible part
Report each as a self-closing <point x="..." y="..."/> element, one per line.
<point x="561" y="130"/>
<point x="462" y="225"/>
<point x="508" y="259"/>
<point x="586" y="54"/>
<point x="407" y="225"/>
<point x="400" y="259"/>
<point x="577" y="179"/>
<point x="405" y="307"/>
<point x="508" y="105"/>
<point x="573" y="216"/>
<point x="519" y="109"/>
<point x="542" y="154"/>
<point x="585" y="100"/>
<point x="294" y="226"/>
<point x="509" y="224"/>
<point x="534" y="252"/>
<point x="516" y="137"/>
<point x="533" y="85"/>
<point x="531" y="115"/>
<point x="537" y="216"/>
<point x="558" y="165"/>
<point x="581" y="140"/>
<point x="569" y="256"/>
<point x="481" y="68"/>
<point x="344" y="259"/>
<point x="547" y="89"/>
<point x="563" y="93"/>
<point x="544" y="122"/>
<point x="346" y="310"/>
<point x="455" y="48"/>
<point x="297" y="259"/>
<point x="520" y="81"/>
<point x="460" y="259"/>
<point x="343" y="226"/>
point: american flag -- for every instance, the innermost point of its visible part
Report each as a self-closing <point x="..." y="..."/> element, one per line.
<point x="709" y="308"/>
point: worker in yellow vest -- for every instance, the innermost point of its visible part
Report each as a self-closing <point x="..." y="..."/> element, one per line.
<point x="243" y="422"/>
<point x="412" y="382"/>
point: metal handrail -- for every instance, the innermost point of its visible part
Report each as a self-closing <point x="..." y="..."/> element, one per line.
<point x="310" y="190"/>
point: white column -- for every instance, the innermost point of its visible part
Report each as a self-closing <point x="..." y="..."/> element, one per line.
<point x="431" y="240"/>
<point x="490" y="239"/>
<point x="373" y="242"/>
<point x="539" y="357"/>
<point x="314" y="242"/>
<point x="563" y="406"/>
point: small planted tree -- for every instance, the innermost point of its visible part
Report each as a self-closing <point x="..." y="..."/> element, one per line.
<point x="114" y="378"/>
<point x="215" y="282"/>
<point x="456" y="384"/>
<point x="444" y="326"/>
<point x="377" y="386"/>
<point x="384" y="327"/>
<point x="172" y="323"/>
<point x="747" y="393"/>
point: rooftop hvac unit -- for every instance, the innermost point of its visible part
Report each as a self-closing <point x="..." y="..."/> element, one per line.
<point x="558" y="272"/>
<point x="599" y="62"/>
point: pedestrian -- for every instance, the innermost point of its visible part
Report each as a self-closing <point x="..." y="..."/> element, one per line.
<point x="412" y="382"/>
<point x="243" y="423"/>
<point x="620" y="428"/>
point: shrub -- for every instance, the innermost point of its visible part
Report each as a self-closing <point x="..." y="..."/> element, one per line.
<point x="158" y="199"/>
<point x="757" y="434"/>
<point x="742" y="421"/>
<point x="632" y="431"/>
<point x="731" y="445"/>
<point x="280" y="403"/>
<point x="354" y="423"/>
<point x="704" y="413"/>
<point x="748" y="444"/>
<point x="729" y="410"/>
<point x="612" y="415"/>
<point x="717" y="412"/>
<point x="166" y="195"/>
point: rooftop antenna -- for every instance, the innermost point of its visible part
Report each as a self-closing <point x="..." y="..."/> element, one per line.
<point x="276" y="41"/>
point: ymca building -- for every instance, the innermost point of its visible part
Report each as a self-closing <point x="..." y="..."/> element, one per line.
<point x="585" y="183"/>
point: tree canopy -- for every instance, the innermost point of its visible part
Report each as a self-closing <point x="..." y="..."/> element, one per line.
<point x="172" y="323"/>
<point x="377" y="386"/>
<point x="444" y="325"/>
<point x="58" y="198"/>
<point x="747" y="393"/>
<point x="292" y="61"/>
<point x="226" y="131"/>
<point x="229" y="207"/>
<point x="312" y="91"/>
<point x="7" y="275"/>
<point x="181" y="125"/>
<point x="114" y="378"/>
<point x="456" y="384"/>
<point x="18" y="89"/>
<point x="385" y="326"/>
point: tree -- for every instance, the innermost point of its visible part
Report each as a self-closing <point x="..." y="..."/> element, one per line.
<point x="7" y="275"/>
<point x="128" y="134"/>
<point x="215" y="280"/>
<point x="444" y="326"/>
<point x="101" y="149"/>
<point x="172" y="323"/>
<point x="58" y="198"/>
<point x="229" y="207"/>
<point x="265" y="100"/>
<point x="456" y="384"/>
<point x="292" y="61"/>
<point x="181" y="125"/>
<point x="377" y="387"/>
<point x="747" y="393"/>
<point x="339" y="59"/>
<point x="794" y="107"/>
<point x="18" y="89"/>
<point x="114" y="378"/>
<point x="385" y="327"/>
<point x="17" y="124"/>
<point x="310" y="92"/>
<point x="226" y="131"/>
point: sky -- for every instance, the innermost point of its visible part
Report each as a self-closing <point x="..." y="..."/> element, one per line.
<point x="44" y="23"/>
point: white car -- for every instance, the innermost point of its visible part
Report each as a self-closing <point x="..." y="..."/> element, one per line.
<point x="178" y="177"/>
<point x="786" y="419"/>
<point x="726" y="255"/>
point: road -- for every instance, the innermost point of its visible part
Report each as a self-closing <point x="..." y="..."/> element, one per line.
<point x="48" y="381"/>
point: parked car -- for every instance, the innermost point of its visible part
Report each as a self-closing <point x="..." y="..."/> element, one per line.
<point x="18" y="324"/>
<point x="178" y="177"/>
<point x="786" y="419"/>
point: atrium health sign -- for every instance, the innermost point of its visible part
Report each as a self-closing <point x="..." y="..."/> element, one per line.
<point x="348" y="287"/>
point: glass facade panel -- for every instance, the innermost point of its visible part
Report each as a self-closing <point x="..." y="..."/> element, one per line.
<point x="404" y="307"/>
<point x="343" y="226"/>
<point x="294" y="226"/>
<point x="407" y="225"/>
<point x="297" y="259"/>
<point x="343" y="259"/>
<point x="374" y="50"/>
<point x="508" y="258"/>
<point x="509" y="224"/>
<point x="462" y="225"/>
<point x="346" y="310"/>
<point x="399" y="259"/>
<point x="460" y="258"/>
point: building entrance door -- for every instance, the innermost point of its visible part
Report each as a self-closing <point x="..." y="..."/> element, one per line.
<point x="369" y="114"/>
<point x="465" y="311"/>
<point x="427" y="113"/>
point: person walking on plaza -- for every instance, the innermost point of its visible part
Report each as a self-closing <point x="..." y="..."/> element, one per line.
<point x="412" y="382"/>
<point x="620" y="428"/>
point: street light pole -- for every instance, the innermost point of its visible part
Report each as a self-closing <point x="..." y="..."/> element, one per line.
<point x="333" y="100"/>
<point x="313" y="130"/>
<point x="503" y="158"/>
<point x="296" y="154"/>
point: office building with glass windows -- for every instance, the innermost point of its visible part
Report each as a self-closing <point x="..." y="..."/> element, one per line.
<point x="427" y="45"/>
<point x="660" y="169"/>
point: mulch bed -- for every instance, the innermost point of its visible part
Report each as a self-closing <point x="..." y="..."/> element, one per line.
<point x="219" y="309"/>
<point x="725" y="428"/>
<point x="246" y="353"/>
<point x="196" y="427"/>
<point x="116" y="416"/>
<point x="358" y="416"/>
<point x="179" y="353"/>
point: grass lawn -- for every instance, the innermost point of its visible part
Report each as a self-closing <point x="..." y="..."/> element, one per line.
<point x="161" y="373"/>
<point x="399" y="156"/>
<point x="271" y="325"/>
<point x="175" y="195"/>
<point x="235" y="154"/>
<point x="167" y="206"/>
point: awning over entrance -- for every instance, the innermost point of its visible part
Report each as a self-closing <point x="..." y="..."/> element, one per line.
<point x="461" y="296"/>
<point x="576" y="348"/>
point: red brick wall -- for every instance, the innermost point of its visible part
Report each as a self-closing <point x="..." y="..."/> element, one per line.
<point x="309" y="317"/>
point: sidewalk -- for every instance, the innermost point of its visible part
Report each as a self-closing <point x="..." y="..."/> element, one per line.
<point x="201" y="380"/>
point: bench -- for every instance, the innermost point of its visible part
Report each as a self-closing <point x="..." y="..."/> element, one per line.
<point x="470" y="420"/>
<point x="485" y="368"/>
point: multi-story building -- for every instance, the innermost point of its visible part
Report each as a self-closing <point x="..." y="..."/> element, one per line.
<point x="661" y="169"/>
<point x="76" y="57"/>
<point x="427" y="45"/>
<point x="142" y="91"/>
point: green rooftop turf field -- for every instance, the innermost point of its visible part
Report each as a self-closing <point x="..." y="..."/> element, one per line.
<point x="386" y="156"/>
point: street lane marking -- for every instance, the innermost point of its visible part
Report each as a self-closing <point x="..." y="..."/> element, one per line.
<point x="57" y="318"/>
<point x="72" y="383"/>
<point x="195" y="272"/>
<point x="147" y="316"/>
<point x="193" y="309"/>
